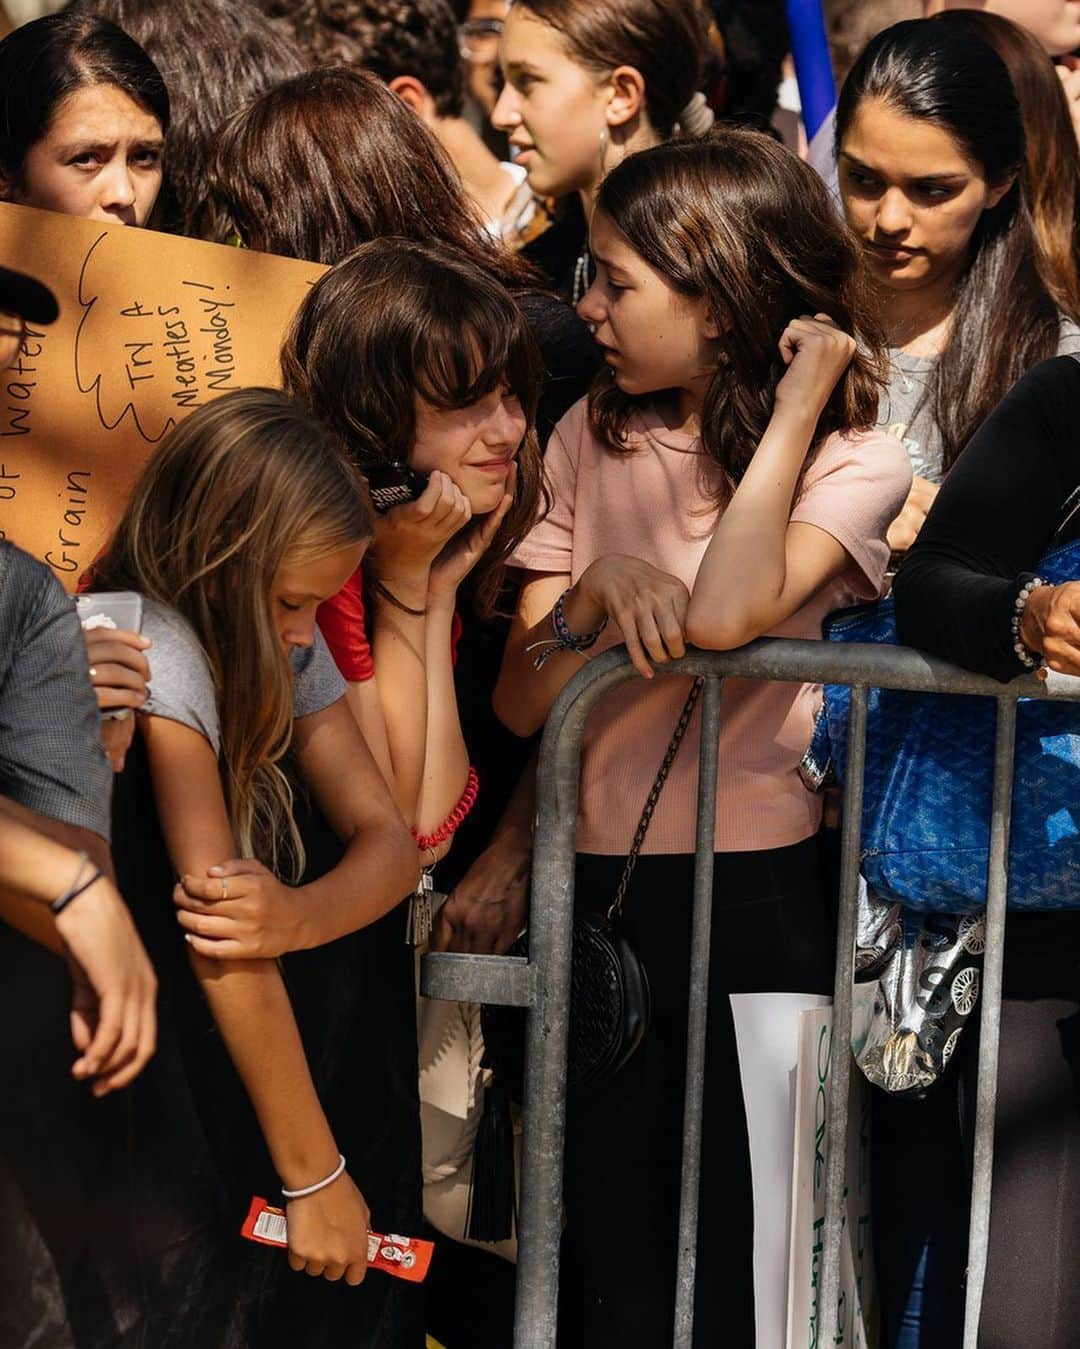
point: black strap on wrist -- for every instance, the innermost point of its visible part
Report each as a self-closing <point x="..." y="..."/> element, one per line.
<point x="74" y="891"/>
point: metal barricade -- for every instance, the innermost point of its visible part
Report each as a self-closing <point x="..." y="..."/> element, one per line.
<point x="541" y="983"/>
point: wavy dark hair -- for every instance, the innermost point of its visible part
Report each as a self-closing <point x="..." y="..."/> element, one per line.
<point x="1005" y="319"/>
<point x="1051" y="175"/>
<point x="45" y="61"/>
<point x="331" y="159"/>
<point x="217" y="55"/>
<point x="399" y="319"/>
<point x="741" y="222"/>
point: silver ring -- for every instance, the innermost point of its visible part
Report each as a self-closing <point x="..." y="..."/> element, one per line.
<point x="224" y="887"/>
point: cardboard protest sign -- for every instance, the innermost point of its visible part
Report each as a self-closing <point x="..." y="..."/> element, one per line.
<point x="150" y="327"/>
<point x="857" y="1311"/>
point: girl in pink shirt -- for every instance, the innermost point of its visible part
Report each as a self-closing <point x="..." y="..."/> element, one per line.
<point x="720" y="483"/>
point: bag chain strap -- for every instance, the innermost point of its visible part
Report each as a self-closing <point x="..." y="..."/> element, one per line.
<point x="681" y="727"/>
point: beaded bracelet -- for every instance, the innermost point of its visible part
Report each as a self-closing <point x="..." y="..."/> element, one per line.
<point x="1026" y="657"/>
<point x="564" y="639"/>
<point x="456" y="817"/>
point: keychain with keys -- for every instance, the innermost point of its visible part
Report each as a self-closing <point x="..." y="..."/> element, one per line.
<point x="418" y="928"/>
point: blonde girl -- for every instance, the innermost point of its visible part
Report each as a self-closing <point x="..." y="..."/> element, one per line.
<point x="246" y="519"/>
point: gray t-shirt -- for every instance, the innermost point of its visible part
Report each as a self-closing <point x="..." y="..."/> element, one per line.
<point x="906" y="411"/>
<point x="182" y="687"/>
<point x="51" y="758"/>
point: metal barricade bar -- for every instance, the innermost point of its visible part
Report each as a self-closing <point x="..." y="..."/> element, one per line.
<point x="700" y="947"/>
<point x="997" y="883"/>
<point x="542" y="983"/>
<point x="836" y="1165"/>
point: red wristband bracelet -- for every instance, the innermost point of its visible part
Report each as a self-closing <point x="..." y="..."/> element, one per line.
<point x="456" y="817"/>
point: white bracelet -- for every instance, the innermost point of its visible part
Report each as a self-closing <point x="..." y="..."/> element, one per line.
<point x="319" y="1185"/>
<point x="1029" y="659"/>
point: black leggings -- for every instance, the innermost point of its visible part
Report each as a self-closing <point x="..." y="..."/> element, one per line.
<point x="773" y="931"/>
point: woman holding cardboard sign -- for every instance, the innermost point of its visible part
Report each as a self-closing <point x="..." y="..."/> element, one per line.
<point x="83" y="116"/>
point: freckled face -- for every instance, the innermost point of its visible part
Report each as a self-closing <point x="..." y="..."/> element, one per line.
<point x="100" y="159"/>
<point x="652" y="337"/>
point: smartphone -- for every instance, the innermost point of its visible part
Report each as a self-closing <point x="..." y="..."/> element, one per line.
<point x="394" y="484"/>
<point x="118" y="609"/>
<point x="121" y="610"/>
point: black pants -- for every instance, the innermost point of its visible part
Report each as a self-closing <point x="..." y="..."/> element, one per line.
<point x="773" y="931"/>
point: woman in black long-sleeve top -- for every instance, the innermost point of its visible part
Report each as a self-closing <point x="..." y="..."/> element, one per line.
<point x="997" y="514"/>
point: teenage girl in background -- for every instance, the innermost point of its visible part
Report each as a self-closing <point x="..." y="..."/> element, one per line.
<point x="728" y="448"/>
<point x="931" y="149"/>
<point x="589" y="82"/>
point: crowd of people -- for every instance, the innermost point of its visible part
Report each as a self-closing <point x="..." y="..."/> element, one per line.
<point x="596" y="359"/>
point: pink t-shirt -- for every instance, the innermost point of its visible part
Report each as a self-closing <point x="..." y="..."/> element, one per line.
<point x="650" y="504"/>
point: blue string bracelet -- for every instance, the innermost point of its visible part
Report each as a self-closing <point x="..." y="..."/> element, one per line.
<point x="563" y="639"/>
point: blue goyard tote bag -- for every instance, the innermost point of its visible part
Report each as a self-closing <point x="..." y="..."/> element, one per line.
<point x="929" y="782"/>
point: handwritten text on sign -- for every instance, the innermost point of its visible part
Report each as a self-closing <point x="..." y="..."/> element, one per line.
<point x="150" y="327"/>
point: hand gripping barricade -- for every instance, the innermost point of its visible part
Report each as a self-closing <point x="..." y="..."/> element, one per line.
<point x="541" y="982"/>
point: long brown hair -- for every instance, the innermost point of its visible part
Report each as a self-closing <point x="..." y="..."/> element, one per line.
<point x="1050" y="178"/>
<point x="664" y="40"/>
<point x="331" y="159"/>
<point x="1005" y="318"/>
<point x="399" y="319"/>
<point x="746" y="225"/>
<point x="243" y="485"/>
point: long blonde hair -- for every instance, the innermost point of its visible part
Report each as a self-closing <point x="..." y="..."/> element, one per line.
<point x="239" y="488"/>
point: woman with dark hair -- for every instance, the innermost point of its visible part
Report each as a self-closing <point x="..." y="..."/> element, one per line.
<point x="588" y="82"/>
<point x="219" y="55"/>
<point x="931" y="150"/>
<point x="83" y="117"/>
<point x="416" y="356"/>
<point x="938" y="171"/>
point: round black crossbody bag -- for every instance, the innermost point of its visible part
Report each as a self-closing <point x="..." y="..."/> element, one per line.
<point x="609" y="987"/>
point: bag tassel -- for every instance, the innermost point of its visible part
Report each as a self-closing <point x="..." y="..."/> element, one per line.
<point x="492" y="1212"/>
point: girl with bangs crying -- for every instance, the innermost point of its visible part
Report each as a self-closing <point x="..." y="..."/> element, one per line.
<point x="427" y="370"/>
<point x="720" y="483"/>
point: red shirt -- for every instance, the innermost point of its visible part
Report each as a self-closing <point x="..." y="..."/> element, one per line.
<point x="344" y="625"/>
